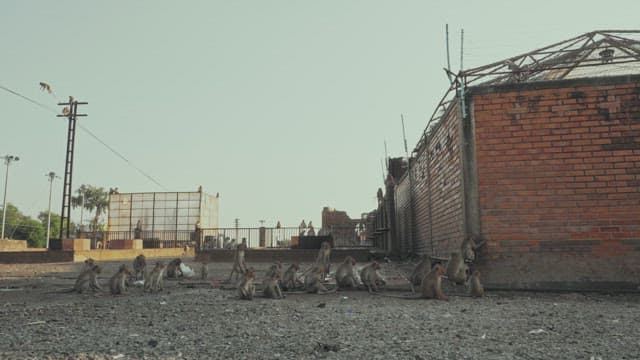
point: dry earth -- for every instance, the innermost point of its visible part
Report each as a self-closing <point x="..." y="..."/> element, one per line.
<point x="199" y="321"/>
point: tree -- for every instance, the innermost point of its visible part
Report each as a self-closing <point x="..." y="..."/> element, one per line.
<point x="55" y="223"/>
<point x="96" y="200"/>
<point x="21" y="227"/>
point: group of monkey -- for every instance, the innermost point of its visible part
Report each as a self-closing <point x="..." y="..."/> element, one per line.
<point x="427" y="275"/>
<point x="119" y="282"/>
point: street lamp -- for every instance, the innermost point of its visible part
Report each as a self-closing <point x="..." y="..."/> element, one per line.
<point x="7" y="160"/>
<point x="51" y="175"/>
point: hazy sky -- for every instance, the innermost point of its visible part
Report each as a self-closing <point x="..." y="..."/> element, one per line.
<point x="282" y="107"/>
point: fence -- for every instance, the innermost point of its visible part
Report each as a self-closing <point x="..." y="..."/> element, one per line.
<point x="221" y="238"/>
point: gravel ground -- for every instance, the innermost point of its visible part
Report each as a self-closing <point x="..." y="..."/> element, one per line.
<point x="200" y="321"/>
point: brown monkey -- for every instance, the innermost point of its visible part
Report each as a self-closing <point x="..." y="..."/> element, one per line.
<point x="173" y="268"/>
<point x="118" y="282"/>
<point x="139" y="267"/>
<point x="371" y="278"/>
<point x="276" y="268"/>
<point x="204" y="271"/>
<point x="246" y="288"/>
<point x="313" y="281"/>
<point x="88" y="278"/>
<point x="153" y="281"/>
<point x="239" y="266"/>
<point x="477" y="290"/>
<point x="345" y="277"/>
<point x="45" y="87"/>
<point x="88" y="264"/>
<point x="324" y="257"/>
<point x="468" y="248"/>
<point x="290" y="279"/>
<point x="272" y="287"/>
<point x="431" y="286"/>
<point x="423" y="267"/>
<point x="457" y="269"/>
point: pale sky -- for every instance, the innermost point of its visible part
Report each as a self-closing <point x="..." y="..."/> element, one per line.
<point x="282" y="107"/>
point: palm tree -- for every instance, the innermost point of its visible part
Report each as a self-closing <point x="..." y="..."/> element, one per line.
<point x="96" y="199"/>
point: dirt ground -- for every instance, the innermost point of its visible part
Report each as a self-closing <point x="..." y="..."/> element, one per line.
<point x="195" y="320"/>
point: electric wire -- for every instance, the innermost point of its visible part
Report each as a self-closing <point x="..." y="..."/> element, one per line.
<point x="83" y="128"/>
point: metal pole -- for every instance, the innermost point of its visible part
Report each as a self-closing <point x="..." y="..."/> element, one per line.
<point x="82" y="212"/>
<point x="51" y="176"/>
<point x="7" y="160"/>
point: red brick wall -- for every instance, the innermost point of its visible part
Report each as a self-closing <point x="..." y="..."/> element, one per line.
<point x="559" y="169"/>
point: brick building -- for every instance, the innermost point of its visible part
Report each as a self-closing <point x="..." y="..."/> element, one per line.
<point x="539" y="155"/>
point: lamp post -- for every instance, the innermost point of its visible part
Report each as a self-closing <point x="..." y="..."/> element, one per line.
<point x="51" y="176"/>
<point x="7" y="160"/>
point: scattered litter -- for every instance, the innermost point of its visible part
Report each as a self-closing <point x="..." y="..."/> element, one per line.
<point x="10" y="289"/>
<point x="186" y="271"/>
<point x="119" y="356"/>
<point x="615" y="321"/>
<point x="153" y="343"/>
<point x="447" y="315"/>
<point x="345" y="298"/>
<point x="322" y="305"/>
<point x="163" y="302"/>
<point x="134" y="335"/>
<point x="595" y="358"/>
<point x="138" y="283"/>
<point x="484" y="336"/>
<point x="327" y="347"/>
<point x="537" y="331"/>
<point x="40" y="322"/>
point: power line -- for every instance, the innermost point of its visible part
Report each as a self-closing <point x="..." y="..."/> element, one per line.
<point x="83" y="128"/>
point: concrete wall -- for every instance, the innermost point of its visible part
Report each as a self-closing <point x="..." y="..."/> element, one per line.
<point x="13" y="245"/>
<point x="282" y="255"/>
<point x="558" y="171"/>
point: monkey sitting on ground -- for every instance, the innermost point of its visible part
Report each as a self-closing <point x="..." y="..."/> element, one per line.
<point x="290" y="278"/>
<point x="457" y="269"/>
<point x="118" y="282"/>
<point x="88" y="279"/>
<point x="173" y="269"/>
<point x="313" y="281"/>
<point x="477" y="290"/>
<point x="345" y="276"/>
<point x="370" y="277"/>
<point x="246" y="287"/>
<point x="431" y="286"/>
<point x="272" y="287"/>
<point x="423" y="267"/>
<point x="276" y="268"/>
<point x="153" y="280"/>
<point x="139" y="267"/>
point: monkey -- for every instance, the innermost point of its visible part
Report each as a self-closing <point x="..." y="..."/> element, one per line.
<point x="477" y="290"/>
<point x="423" y="267"/>
<point x="276" y="268"/>
<point x="313" y="281"/>
<point x="272" y="287"/>
<point x="173" y="268"/>
<point x="468" y="248"/>
<point x="153" y="281"/>
<point x="290" y="278"/>
<point x="457" y="269"/>
<point x="246" y="287"/>
<point x="345" y="277"/>
<point x="45" y="87"/>
<point x="88" y="263"/>
<point x="371" y="278"/>
<point x="239" y="266"/>
<point x="139" y="267"/>
<point x="204" y="271"/>
<point x="99" y="245"/>
<point x="88" y="278"/>
<point x="431" y="287"/>
<point x="324" y="257"/>
<point x="118" y="282"/>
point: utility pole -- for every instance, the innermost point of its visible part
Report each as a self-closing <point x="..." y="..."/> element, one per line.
<point x="7" y="160"/>
<point x="70" y="111"/>
<point x="51" y="176"/>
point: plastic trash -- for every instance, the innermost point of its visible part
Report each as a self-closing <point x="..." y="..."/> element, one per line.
<point x="186" y="271"/>
<point x="537" y="331"/>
